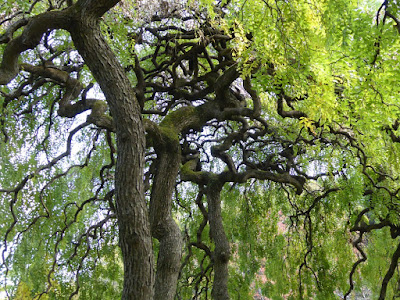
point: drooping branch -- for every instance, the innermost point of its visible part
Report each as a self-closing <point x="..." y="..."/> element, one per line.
<point x="390" y="272"/>
<point x="288" y="114"/>
<point x="73" y="89"/>
<point x="396" y="20"/>
<point x="30" y="38"/>
<point x="362" y="259"/>
<point x="7" y="36"/>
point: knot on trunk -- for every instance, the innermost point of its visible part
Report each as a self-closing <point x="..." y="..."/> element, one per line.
<point x="222" y="256"/>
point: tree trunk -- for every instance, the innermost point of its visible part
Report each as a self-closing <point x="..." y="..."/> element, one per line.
<point x="221" y="253"/>
<point x="131" y="209"/>
<point x="163" y="226"/>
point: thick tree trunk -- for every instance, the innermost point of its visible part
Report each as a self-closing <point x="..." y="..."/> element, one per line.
<point x="221" y="253"/>
<point x="132" y="212"/>
<point x="163" y="226"/>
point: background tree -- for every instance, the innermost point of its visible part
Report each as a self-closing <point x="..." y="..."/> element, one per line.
<point x="255" y="141"/>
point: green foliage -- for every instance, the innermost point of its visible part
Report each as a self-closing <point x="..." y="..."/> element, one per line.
<point x="379" y="246"/>
<point x="23" y="292"/>
<point x="336" y="62"/>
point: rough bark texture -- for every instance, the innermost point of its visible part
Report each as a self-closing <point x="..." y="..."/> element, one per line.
<point x="221" y="253"/>
<point x="163" y="226"/>
<point x="29" y="39"/>
<point x="134" y="228"/>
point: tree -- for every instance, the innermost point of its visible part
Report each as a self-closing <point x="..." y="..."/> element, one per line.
<point x="241" y="135"/>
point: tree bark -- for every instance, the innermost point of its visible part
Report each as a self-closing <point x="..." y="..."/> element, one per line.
<point x="131" y="209"/>
<point x="163" y="226"/>
<point x="221" y="253"/>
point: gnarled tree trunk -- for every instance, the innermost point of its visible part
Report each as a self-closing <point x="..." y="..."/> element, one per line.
<point x="221" y="253"/>
<point x="163" y="226"/>
<point x="132" y="212"/>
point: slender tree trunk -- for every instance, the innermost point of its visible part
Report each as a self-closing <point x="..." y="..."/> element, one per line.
<point x="131" y="209"/>
<point x="221" y="253"/>
<point x="163" y="226"/>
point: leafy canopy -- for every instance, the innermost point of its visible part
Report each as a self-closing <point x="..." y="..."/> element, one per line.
<point x="291" y="105"/>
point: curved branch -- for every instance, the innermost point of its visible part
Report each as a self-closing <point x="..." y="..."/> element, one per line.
<point x="390" y="272"/>
<point x="95" y="8"/>
<point x="7" y="36"/>
<point x="288" y="114"/>
<point x="362" y="259"/>
<point x="30" y="38"/>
